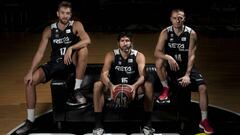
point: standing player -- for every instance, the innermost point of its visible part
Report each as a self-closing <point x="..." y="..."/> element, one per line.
<point x="69" y="43"/>
<point x="176" y="48"/>
<point x="122" y="66"/>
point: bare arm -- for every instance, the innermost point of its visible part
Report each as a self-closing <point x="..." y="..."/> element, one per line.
<point x="109" y="58"/>
<point x="80" y="32"/>
<point x="185" y="80"/>
<point x="41" y="49"/>
<point x="38" y="55"/>
<point x="140" y="59"/>
<point x="159" y="50"/>
<point x="192" y="50"/>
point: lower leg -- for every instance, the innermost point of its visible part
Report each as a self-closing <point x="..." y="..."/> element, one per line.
<point x="31" y="101"/>
<point x="30" y="93"/>
<point x="161" y="72"/>
<point x="148" y="104"/>
<point x="203" y="101"/>
<point x="160" y="69"/>
<point x="81" y="64"/>
<point x="98" y="100"/>
<point x="98" y="97"/>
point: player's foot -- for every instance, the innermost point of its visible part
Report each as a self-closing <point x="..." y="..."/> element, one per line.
<point x="98" y="131"/>
<point x="25" y="128"/>
<point x="148" y="130"/>
<point x="163" y="98"/>
<point x="77" y="99"/>
<point x="204" y="124"/>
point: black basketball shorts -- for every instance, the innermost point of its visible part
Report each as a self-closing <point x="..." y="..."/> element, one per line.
<point x="53" y="70"/>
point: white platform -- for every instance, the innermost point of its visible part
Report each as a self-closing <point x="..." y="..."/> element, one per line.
<point x="108" y="134"/>
<point x="50" y="134"/>
<point x="157" y="134"/>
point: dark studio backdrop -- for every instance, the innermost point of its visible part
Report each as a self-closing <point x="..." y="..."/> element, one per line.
<point x="217" y="23"/>
<point x="115" y="15"/>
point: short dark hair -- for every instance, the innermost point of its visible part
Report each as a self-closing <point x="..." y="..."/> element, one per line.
<point x="177" y="10"/>
<point x="65" y="4"/>
<point x="123" y="34"/>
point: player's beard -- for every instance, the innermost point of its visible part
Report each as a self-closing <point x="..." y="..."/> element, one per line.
<point x="126" y="48"/>
<point x="64" y="21"/>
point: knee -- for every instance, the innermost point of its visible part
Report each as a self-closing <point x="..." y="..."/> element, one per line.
<point x="148" y="87"/>
<point x="97" y="87"/>
<point x="33" y="84"/>
<point x="202" y="89"/>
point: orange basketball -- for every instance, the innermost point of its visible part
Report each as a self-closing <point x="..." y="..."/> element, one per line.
<point x="122" y="95"/>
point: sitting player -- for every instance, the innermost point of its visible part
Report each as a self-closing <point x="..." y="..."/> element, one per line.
<point x="122" y="66"/>
<point x="69" y="43"/>
<point x="176" y="47"/>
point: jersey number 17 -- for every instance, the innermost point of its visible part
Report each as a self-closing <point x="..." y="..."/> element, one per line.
<point x="63" y="50"/>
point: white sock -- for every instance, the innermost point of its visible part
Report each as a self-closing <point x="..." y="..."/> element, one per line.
<point x="78" y="84"/>
<point x="204" y="115"/>
<point x="30" y="115"/>
<point x="164" y="83"/>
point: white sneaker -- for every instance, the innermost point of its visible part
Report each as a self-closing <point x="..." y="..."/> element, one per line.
<point x="98" y="131"/>
<point x="148" y="130"/>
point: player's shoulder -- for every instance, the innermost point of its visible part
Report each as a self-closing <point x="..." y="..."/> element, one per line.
<point x="47" y="30"/>
<point x="166" y="30"/>
<point x="75" y="23"/>
<point x="110" y="53"/>
<point x="139" y="55"/>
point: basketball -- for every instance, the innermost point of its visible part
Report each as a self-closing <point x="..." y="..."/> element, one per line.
<point x="122" y="95"/>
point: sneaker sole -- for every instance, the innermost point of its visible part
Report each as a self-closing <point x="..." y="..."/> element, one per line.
<point x="163" y="101"/>
<point x="74" y="104"/>
<point x="200" y="126"/>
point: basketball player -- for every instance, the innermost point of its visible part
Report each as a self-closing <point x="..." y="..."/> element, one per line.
<point x="69" y="43"/>
<point x="176" y="49"/>
<point x="124" y="65"/>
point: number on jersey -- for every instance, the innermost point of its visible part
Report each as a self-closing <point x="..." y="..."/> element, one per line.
<point x="63" y="50"/>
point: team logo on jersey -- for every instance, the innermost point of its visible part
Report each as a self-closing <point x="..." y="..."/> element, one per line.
<point x="171" y="39"/>
<point x="68" y="31"/>
<point x="183" y="39"/>
<point x="56" y="35"/>
<point x="119" y="62"/>
<point x="130" y="60"/>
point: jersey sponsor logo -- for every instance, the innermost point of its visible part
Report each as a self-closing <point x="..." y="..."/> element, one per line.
<point x="130" y="60"/>
<point x="176" y="45"/>
<point x="126" y="69"/>
<point x="123" y="68"/>
<point x="68" y="31"/>
<point x="64" y="40"/>
<point x="183" y="39"/>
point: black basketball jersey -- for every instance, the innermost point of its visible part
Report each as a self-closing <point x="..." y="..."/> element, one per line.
<point x="61" y="40"/>
<point x="178" y="46"/>
<point x="124" y="71"/>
